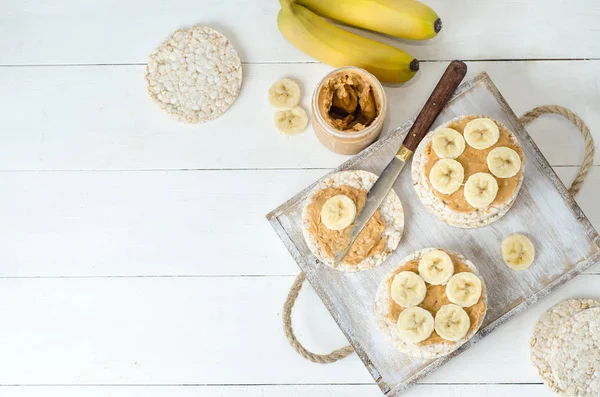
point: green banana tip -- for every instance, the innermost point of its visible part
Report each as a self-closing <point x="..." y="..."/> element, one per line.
<point x="437" y="25"/>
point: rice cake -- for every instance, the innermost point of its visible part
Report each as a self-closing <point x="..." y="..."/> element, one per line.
<point x="195" y="75"/>
<point x="383" y="307"/>
<point x="575" y="355"/>
<point x="546" y="329"/>
<point x="436" y="203"/>
<point x="391" y="211"/>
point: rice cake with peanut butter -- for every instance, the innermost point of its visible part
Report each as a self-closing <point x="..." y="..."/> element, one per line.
<point x="452" y="206"/>
<point x="377" y="240"/>
<point x="387" y="311"/>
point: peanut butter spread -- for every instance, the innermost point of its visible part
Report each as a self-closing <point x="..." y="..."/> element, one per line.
<point x="474" y="161"/>
<point x="347" y="101"/>
<point x="434" y="300"/>
<point x="369" y="242"/>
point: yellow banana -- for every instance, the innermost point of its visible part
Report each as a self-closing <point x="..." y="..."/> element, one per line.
<point x="401" y="18"/>
<point x="336" y="47"/>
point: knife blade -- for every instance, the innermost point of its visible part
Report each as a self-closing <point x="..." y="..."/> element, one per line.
<point x="450" y="80"/>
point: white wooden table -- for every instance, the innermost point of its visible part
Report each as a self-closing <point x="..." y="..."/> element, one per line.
<point x="135" y="258"/>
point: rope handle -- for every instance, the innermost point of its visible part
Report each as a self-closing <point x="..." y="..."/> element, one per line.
<point x="527" y="118"/>
<point x="588" y="157"/>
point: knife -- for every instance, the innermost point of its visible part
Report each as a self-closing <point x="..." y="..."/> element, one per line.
<point x="440" y="96"/>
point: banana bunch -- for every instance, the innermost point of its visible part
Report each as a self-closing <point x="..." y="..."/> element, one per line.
<point x="301" y="22"/>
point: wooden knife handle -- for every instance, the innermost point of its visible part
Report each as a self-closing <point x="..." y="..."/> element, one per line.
<point x="440" y="96"/>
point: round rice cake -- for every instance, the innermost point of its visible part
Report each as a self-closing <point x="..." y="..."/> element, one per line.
<point x="195" y="75"/>
<point x="382" y="307"/>
<point x="546" y="329"/>
<point x="434" y="204"/>
<point x="391" y="211"/>
<point x="575" y="355"/>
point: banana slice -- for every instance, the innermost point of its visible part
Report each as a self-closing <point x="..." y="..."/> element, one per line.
<point x="504" y="162"/>
<point x="481" y="133"/>
<point x="408" y="289"/>
<point x="464" y="289"/>
<point x="436" y="267"/>
<point x="338" y="212"/>
<point x="518" y="251"/>
<point x="292" y="121"/>
<point x="448" y="143"/>
<point x="415" y="324"/>
<point x="284" y="94"/>
<point x="446" y="176"/>
<point x="481" y="190"/>
<point x="452" y="322"/>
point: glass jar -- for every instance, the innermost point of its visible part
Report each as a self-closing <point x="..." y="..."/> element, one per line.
<point x="349" y="142"/>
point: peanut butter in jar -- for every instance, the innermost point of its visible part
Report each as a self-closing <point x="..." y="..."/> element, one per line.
<point x="348" y="107"/>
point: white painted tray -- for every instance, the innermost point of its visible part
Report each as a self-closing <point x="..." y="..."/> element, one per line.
<point x="566" y="244"/>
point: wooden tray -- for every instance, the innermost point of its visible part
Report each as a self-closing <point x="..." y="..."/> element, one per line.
<point x="565" y="241"/>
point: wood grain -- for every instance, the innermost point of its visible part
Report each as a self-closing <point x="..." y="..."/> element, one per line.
<point x="273" y="391"/>
<point x="111" y="31"/>
<point x="566" y="245"/>
<point x="101" y="118"/>
<point x="68" y="237"/>
<point x="210" y="330"/>
<point x="199" y="223"/>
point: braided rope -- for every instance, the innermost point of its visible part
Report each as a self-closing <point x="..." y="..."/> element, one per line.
<point x="574" y="189"/>
<point x="289" y="331"/>
<point x="588" y="158"/>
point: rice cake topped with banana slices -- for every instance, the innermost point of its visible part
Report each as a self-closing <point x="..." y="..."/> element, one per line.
<point x="468" y="171"/>
<point x="431" y="304"/>
<point x="329" y="213"/>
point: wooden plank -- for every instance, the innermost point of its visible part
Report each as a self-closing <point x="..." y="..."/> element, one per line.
<point x="34" y="32"/>
<point x="273" y="391"/>
<point x="217" y="330"/>
<point x="566" y="242"/>
<point x="160" y="223"/>
<point x="144" y="223"/>
<point x="73" y="118"/>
